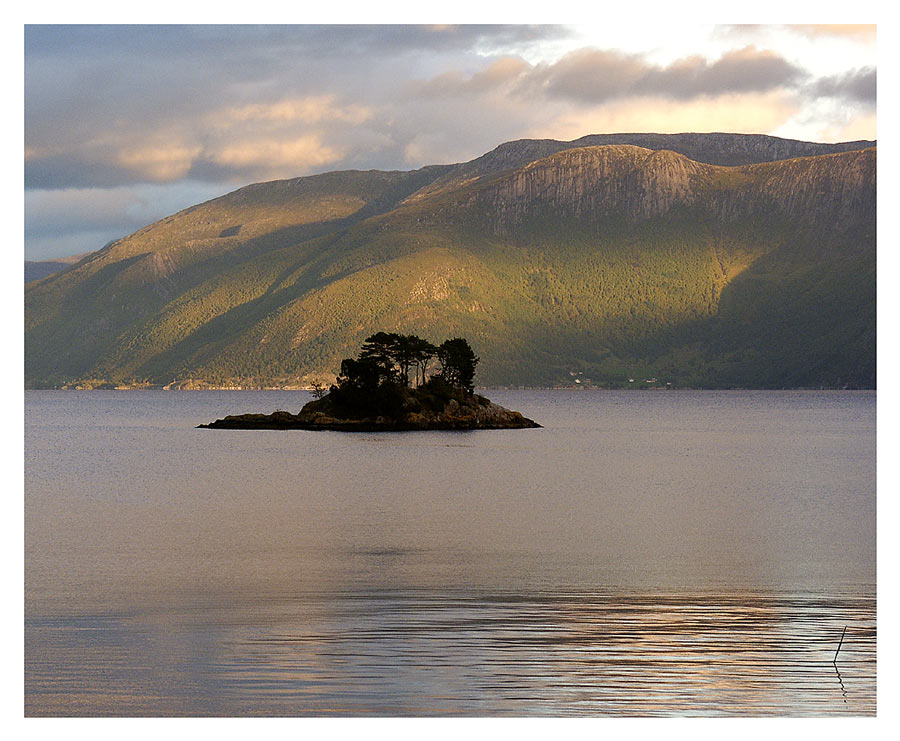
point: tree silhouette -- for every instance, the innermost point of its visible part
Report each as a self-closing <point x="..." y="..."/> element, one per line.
<point x="422" y="353"/>
<point x="366" y="374"/>
<point x="382" y="347"/>
<point x="366" y="387"/>
<point x="458" y="363"/>
<point x="373" y="383"/>
<point x="398" y="353"/>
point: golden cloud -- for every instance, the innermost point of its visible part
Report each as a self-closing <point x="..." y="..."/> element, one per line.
<point x="503" y="70"/>
<point x="306" y="110"/>
<point x="499" y="73"/>
<point x="262" y="140"/>
<point x="161" y="162"/>
<point x="277" y="156"/>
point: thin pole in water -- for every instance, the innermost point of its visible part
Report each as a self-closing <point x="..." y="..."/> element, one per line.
<point x="834" y="661"/>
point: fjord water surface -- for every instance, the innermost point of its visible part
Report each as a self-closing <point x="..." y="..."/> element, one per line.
<point x="644" y="553"/>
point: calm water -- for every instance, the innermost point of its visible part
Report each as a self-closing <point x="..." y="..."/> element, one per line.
<point x="645" y="553"/>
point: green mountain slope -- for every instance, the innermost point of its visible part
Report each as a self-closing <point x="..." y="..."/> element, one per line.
<point x="601" y="263"/>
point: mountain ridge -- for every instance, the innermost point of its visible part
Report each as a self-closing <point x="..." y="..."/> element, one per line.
<point x="611" y="260"/>
<point x="715" y="148"/>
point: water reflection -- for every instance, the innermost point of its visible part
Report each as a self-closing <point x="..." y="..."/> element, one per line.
<point x="841" y="682"/>
<point x="417" y="652"/>
<point x="642" y="554"/>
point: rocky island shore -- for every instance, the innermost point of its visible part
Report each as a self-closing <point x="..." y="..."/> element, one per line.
<point x="373" y="393"/>
<point x="420" y="411"/>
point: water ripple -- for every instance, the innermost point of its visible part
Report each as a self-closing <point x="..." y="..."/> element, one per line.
<point x="432" y="654"/>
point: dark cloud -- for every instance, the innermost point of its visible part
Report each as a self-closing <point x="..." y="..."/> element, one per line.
<point x="596" y="76"/>
<point x="589" y="75"/>
<point x="741" y="71"/>
<point x="266" y="43"/>
<point x="858" y="85"/>
<point x="70" y="171"/>
<point x="101" y="102"/>
<point x="112" y="105"/>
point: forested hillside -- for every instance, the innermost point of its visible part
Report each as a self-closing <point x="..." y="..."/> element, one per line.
<point x="609" y="264"/>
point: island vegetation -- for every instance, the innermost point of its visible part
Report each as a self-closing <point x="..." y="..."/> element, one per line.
<point x="388" y="387"/>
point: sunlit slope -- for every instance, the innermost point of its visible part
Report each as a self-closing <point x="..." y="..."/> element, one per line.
<point x="612" y="261"/>
<point x="214" y="256"/>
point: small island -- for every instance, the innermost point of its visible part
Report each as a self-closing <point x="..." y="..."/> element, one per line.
<point x="377" y="392"/>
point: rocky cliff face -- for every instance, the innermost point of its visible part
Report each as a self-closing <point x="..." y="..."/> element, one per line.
<point x="711" y="149"/>
<point x="595" y="182"/>
<point x="633" y="183"/>
<point x="725" y="149"/>
<point x="833" y="191"/>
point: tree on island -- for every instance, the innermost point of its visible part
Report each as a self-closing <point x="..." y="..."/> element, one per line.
<point x="373" y="393"/>
<point x="422" y="352"/>
<point x="398" y="353"/>
<point x="458" y="363"/>
<point x="382" y="349"/>
<point x="367" y="385"/>
<point x="373" y="383"/>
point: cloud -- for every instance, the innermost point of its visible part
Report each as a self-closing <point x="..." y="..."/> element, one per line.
<point x="588" y="74"/>
<point x="857" y="85"/>
<point x="594" y="76"/>
<point x="307" y="110"/>
<point x="501" y="73"/>
<point x="111" y="105"/>
<point x="155" y="104"/>
<point x="261" y="48"/>
<point x="856" y="32"/>
<point x="291" y="155"/>
<point x="282" y="138"/>
<point x="740" y="71"/>
<point x="164" y="161"/>
<point x="862" y="33"/>
<point x="234" y="104"/>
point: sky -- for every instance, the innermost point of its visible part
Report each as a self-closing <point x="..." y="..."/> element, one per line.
<point x="126" y="124"/>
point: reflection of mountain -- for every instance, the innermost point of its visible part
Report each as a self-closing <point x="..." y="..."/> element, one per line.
<point x="595" y="259"/>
